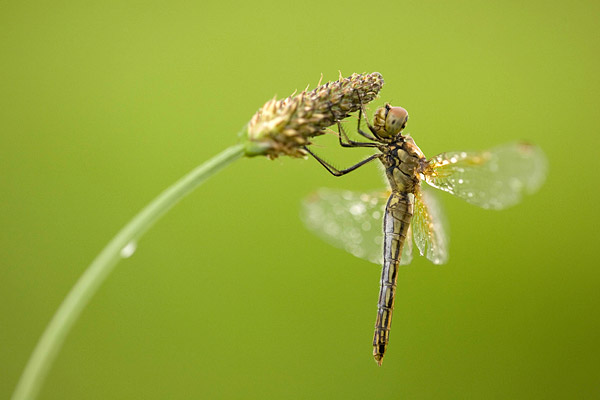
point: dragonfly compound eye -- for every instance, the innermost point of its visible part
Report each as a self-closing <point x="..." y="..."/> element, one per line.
<point x="395" y="120"/>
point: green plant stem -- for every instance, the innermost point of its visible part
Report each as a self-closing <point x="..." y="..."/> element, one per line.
<point x="53" y="337"/>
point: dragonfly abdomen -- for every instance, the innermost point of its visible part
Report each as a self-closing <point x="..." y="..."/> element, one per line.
<point x="398" y="214"/>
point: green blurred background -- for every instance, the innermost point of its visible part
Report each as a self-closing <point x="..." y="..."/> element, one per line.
<point x="104" y="104"/>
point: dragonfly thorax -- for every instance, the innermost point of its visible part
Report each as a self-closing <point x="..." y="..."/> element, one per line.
<point x="402" y="162"/>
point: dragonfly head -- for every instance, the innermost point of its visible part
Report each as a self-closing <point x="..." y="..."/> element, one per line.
<point x="390" y="121"/>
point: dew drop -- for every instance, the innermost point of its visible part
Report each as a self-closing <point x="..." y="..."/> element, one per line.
<point x="128" y="250"/>
<point x="357" y="209"/>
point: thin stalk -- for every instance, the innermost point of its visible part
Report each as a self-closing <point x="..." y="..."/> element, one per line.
<point x="53" y="337"/>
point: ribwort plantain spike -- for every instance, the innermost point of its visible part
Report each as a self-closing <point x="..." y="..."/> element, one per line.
<point x="284" y="127"/>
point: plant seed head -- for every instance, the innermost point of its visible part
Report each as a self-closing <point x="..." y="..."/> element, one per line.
<point x="284" y="127"/>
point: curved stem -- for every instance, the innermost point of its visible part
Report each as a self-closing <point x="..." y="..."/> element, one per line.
<point x="53" y="337"/>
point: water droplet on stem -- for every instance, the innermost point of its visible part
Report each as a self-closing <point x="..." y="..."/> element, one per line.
<point x="128" y="250"/>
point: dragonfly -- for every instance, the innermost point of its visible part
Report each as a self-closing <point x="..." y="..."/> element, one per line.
<point x="493" y="179"/>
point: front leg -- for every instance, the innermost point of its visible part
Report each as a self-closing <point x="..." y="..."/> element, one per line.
<point x="362" y="112"/>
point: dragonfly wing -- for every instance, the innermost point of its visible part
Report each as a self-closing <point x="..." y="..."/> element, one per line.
<point x="496" y="178"/>
<point x="407" y="253"/>
<point x="428" y="227"/>
<point x="351" y="221"/>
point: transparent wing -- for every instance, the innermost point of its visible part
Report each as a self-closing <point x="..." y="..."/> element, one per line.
<point x="428" y="227"/>
<point x="407" y="250"/>
<point x="495" y="178"/>
<point x="351" y="221"/>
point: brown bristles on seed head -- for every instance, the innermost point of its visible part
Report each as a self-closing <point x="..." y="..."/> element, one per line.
<point x="284" y="127"/>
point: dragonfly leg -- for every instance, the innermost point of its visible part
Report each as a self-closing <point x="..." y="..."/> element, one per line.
<point x="339" y="172"/>
<point x="342" y="132"/>
<point x="350" y="143"/>
<point x="362" y="112"/>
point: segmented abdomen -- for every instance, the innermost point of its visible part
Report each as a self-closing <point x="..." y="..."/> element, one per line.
<point x="398" y="214"/>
